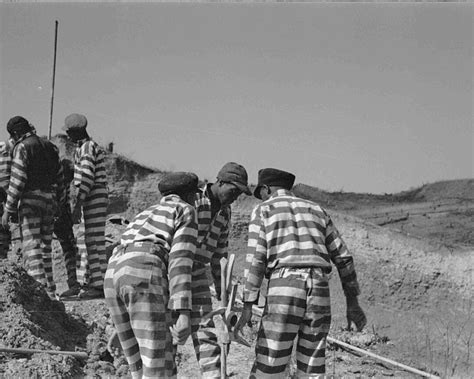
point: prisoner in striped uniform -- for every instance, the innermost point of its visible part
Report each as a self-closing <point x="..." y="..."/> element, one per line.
<point x="5" y="163"/>
<point x="148" y="280"/>
<point x="36" y="185"/>
<point x="292" y="242"/>
<point x="63" y="229"/>
<point x="214" y="213"/>
<point x="5" y="166"/>
<point x="90" y="180"/>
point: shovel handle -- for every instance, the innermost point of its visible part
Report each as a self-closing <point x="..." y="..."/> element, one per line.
<point x="75" y="354"/>
<point x="224" y="281"/>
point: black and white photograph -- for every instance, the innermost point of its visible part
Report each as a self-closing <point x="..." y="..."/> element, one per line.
<point x="236" y="189"/>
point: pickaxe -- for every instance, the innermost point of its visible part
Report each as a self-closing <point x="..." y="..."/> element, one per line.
<point x="226" y="311"/>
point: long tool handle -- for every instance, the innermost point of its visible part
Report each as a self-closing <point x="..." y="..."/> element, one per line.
<point x="229" y="269"/>
<point x="259" y="312"/>
<point x="378" y="357"/>
<point x="224" y="282"/>
<point x="224" y="300"/>
<point x="75" y="354"/>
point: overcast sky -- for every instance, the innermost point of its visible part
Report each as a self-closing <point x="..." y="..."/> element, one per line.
<point x="355" y="97"/>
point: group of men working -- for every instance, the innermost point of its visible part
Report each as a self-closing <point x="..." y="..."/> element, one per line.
<point x="158" y="290"/>
<point x="157" y="284"/>
<point x="37" y="200"/>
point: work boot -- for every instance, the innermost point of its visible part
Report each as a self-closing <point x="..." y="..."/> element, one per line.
<point x="91" y="293"/>
<point x="73" y="291"/>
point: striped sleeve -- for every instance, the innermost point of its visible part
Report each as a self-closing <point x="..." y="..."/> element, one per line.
<point x="181" y="256"/>
<point x="252" y="241"/>
<point x="203" y="210"/>
<point x="342" y="259"/>
<point x="221" y="250"/>
<point x="61" y="191"/>
<point x="84" y="169"/>
<point x="256" y="256"/>
<point x="5" y="165"/>
<point x="18" y="178"/>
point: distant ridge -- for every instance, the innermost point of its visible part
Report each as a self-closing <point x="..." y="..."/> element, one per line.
<point x="442" y="211"/>
<point x="460" y="189"/>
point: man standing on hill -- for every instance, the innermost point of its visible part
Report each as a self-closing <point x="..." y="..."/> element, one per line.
<point x="92" y="198"/>
<point x="292" y="242"/>
<point x="214" y="213"/>
<point x="5" y="167"/>
<point x="35" y="189"/>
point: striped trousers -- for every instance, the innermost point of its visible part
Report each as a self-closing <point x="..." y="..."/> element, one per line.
<point x="298" y="306"/>
<point x="136" y="293"/>
<point x="36" y="217"/>
<point x="65" y="235"/>
<point x="204" y="338"/>
<point x="92" y="261"/>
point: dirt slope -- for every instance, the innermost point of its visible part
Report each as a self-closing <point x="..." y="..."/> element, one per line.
<point x="415" y="288"/>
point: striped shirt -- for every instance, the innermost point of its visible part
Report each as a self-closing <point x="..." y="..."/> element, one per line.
<point x="19" y="177"/>
<point x="89" y="168"/>
<point x="5" y="164"/>
<point x="171" y="226"/>
<point x="287" y="231"/>
<point x="213" y="233"/>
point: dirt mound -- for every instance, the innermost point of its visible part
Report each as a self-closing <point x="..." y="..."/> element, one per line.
<point x="30" y="319"/>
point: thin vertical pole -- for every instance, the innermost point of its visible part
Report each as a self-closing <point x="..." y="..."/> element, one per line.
<point x="54" y="78"/>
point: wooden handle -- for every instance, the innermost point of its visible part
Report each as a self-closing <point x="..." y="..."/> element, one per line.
<point x="382" y="359"/>
<point x="75" y="354"/>
<point x="223" y="281"/>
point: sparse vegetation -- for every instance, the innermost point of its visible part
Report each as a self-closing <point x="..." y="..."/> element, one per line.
<point x="415" y="283"/>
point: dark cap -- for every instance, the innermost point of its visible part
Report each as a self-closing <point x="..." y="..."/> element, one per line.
<point x="18" y="124"/>
<point x="75" y="121"/>
<point x="178" y="183"/>
<point x="273" y="177"/>
<point x="236" y="174"/>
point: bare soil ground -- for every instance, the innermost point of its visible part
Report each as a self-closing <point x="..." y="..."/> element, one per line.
<point x="416" y="278"/>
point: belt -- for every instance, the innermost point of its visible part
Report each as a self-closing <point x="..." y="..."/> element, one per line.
<point x="284" y="271"/>
<point x="147" y="247"/>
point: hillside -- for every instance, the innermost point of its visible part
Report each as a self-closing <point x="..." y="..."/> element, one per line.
<point x="415" y="274"/>
<point x="442" y="211"/>
<point x="414" y="255"/>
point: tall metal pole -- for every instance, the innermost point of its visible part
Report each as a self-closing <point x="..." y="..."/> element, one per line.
<point x="54" y="77"/>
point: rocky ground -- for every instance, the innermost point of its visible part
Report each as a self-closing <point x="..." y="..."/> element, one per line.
<point x="418" y="315"/>
<point x="416" y="291"/>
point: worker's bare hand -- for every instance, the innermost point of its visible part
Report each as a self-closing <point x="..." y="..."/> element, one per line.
<point x="355" y="315"/>
<point x="113" y="345"/>
<point x="244" y="318"/>
<point x="182" y="329"/>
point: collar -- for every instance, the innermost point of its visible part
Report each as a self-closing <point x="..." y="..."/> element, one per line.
<point x="24" y="136"/>
<point x="281" y="192"/>
<point x="80" y="142"/>
<point x="171" y="196"/>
